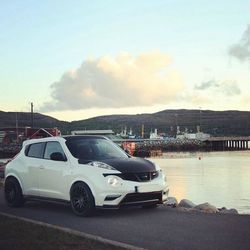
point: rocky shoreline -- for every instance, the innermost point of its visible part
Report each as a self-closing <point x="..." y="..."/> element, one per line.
<point x="186" y="205"/>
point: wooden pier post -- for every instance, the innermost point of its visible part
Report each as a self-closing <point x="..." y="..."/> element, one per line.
<point x="228" y="143"/>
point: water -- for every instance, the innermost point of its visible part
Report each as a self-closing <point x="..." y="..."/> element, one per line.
<point x="220" y="178"/>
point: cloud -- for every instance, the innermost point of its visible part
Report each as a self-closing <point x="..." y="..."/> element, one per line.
<point x="124" y="81"/>
<point x="241" y="50"/>
<point x="226" y="87"/>
<point x="206" y="85"/>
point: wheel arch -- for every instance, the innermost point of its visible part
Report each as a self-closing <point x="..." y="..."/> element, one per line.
<point x="86" y="183"/>
<point x="12" y="175"/>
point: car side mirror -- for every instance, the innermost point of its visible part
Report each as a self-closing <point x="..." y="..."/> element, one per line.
<point x="57" y="156"/>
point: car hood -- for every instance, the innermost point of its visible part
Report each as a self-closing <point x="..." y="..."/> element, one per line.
<point x="131" y="165"/>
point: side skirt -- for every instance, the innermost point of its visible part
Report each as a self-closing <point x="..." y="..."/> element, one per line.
<point x="41" y="198"/>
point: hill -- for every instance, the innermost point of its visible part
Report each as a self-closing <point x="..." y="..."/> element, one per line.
<point x="212" y="122"/>
<point x="23" y="119"/>
<point x="217" y="123"/>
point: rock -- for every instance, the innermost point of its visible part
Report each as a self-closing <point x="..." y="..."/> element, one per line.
<point x="224" y="210"/>
<point x="184" y="209"/>
<point x="171" y="202"/>
<point x="186" y="204"/>
<point x="207" y="208"/>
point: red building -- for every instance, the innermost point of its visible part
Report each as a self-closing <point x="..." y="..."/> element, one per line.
<point x="11" y="138"/>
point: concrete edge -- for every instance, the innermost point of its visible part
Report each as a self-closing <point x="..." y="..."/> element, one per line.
<point x="77" y="233"/>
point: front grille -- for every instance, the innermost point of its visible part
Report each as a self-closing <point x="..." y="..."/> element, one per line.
<point x="139" y="177"/>
<point x="137" y="198"/>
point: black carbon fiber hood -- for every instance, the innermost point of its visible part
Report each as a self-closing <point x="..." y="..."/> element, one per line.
<point x="131" y="165"/>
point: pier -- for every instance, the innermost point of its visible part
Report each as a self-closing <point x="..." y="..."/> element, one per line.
<point x="146" y="147"/>
<point x="228" y="143"/>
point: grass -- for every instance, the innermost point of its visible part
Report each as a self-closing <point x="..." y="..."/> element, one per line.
<point x="16" y="234"/>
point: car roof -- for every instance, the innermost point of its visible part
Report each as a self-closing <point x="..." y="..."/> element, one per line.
<point x="80" y="137"/>
<point x="63" y="138"/>
<point x="53" y="138"/>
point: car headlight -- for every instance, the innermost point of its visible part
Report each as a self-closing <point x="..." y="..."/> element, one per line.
<point x="101" y="165"/>
<point x="114" y="181"/>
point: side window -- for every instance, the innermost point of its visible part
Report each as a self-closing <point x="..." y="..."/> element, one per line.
<point x="36" y="150"/>
<point x="52" y="147"/>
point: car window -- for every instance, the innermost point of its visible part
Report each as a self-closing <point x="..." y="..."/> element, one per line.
<point x="52" y="147"/>
<point x="94" y="149"/>
<point x="85" y="151"/>
<point x="36" y="150"/>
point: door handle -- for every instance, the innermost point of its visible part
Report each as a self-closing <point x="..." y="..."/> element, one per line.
<point x="41" y="167"/>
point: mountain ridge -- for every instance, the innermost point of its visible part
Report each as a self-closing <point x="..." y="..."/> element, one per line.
<point x="218" y="123"/>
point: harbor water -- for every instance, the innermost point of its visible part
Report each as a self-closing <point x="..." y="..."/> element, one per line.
<point x="220" y="178"/>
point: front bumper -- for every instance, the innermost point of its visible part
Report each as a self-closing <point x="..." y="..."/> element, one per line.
<point x="134" y="199"/>
<point x="130" y="193"/>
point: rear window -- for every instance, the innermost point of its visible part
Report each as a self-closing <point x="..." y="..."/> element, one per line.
<point x="35" y="150"/>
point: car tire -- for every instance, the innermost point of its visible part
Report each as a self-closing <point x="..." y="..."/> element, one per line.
<point x="13" y="193"/>
<point x="81" y="199"/>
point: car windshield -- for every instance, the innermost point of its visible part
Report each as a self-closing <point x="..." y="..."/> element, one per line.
<point x="94" y="149"/>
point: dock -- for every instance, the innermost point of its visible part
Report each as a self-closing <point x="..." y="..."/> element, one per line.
<point x="228" y="143"/>
<point x="148" y="147"/>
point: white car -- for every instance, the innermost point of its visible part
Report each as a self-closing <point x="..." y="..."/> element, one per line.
<point x="87" y="171"/>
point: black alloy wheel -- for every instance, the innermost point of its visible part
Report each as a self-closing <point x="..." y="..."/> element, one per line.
<point x="13" y="192"/>
<point x="81" y="199"/>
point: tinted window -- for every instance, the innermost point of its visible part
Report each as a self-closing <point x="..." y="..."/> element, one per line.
<point x="52" y="147"/>
<point x="36" y="150"/>
<point x="94" y="149"/>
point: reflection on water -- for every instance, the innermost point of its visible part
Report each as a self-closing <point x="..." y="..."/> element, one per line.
<point x="220" y="178"/>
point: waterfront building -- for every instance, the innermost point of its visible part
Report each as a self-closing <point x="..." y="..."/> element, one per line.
<point x="154" y="135"/>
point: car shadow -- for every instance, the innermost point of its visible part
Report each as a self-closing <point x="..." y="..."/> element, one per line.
<point x="65" y="208"/>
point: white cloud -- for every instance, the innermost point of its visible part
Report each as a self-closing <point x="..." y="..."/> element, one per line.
<point x="213" y="94"/>
<point x="226" y="87"/>
<point x="124" y="81"/>
<point x="241" y="50"/>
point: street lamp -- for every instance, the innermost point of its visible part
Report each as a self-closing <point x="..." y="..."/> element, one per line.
<point x="200" y="119"/>
<point x="32" y="114"/>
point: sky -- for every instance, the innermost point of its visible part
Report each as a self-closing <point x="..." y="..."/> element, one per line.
<point x="80" y="59"/>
